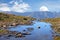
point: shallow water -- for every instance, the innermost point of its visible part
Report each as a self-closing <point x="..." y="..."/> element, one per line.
<point x="42" y="33"/>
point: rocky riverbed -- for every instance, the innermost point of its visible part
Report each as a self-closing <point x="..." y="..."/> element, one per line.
<point x="16" y="34"/>
<point x="9" y="20"/>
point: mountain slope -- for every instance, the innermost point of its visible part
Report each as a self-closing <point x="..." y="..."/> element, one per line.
<point x="38" y="14"/>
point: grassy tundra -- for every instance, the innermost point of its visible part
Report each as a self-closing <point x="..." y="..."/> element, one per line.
<point x="10" y="19"/>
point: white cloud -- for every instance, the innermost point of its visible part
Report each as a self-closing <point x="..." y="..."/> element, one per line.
<point x="4" y="7"/>
<point x="22" y="7"/>
<point x="44" y="8"/>
<point x="16" y="6"/>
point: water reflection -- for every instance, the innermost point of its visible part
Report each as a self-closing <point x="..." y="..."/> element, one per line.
<point x="39" y="31"/>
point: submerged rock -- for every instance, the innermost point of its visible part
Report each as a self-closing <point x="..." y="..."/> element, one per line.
<point x="30" y="29"/>
<point x="24" y="30"/>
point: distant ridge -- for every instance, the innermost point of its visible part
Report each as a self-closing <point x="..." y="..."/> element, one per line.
<point x="38" y="14"/>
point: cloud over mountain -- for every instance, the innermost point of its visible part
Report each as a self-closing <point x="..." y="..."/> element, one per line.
<point x="15" y="6"/>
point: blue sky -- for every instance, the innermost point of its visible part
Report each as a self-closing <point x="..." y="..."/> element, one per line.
<point x="29" y="5"/>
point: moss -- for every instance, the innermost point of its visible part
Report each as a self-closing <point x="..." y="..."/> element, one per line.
<point x="2" y="32"/>
<point x="57" y="38"/>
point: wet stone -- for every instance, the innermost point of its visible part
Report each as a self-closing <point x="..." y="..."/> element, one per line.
<point x="19" y="35"/>
<point x="0" y="35"/>
<point x="26" y="33"/>
<point x="30" y="29"/>
<point x="9" y="35"/>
